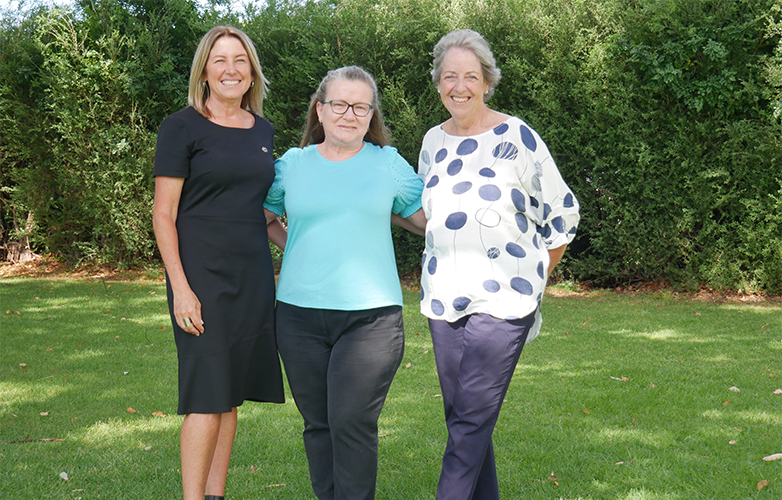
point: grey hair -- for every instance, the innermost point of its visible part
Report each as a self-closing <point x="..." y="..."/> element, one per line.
<point x="470" y="40"/>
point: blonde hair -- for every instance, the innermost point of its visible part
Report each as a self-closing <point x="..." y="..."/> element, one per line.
<point x="470" y="40"/>
<point x="377" y="133"/>
<point x="198" y="90"/>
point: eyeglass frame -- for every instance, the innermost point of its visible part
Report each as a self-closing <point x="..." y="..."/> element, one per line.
<point x="349" y="106"/>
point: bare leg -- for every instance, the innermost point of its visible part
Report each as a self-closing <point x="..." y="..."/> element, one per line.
<point x="215" y="484"/>
<point x="198" y="440"/>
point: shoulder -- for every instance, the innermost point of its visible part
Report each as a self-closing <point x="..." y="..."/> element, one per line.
<point x="528" y="136"/>
<point x="292" y="156"/>
<point x="263" y="125"/>
<point x="436" y="131"/>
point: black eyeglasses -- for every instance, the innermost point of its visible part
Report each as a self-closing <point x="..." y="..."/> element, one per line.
<point x="360" y="109"/>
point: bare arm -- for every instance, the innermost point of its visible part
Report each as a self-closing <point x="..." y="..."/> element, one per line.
<point x="555" y="255"/>
<point x="416" y="223"/>
<point x="186" y="304"/>
<point x="277" y="232"/>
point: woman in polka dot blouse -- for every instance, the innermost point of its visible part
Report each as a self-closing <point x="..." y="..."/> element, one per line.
<point x="499" y="217"/>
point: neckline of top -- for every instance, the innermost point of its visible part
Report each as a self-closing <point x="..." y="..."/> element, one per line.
<point x="505" y="122"/>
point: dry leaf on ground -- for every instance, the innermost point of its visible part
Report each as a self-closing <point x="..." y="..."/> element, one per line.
<point x="762" y="484"/>
<point x="775" y="456"/>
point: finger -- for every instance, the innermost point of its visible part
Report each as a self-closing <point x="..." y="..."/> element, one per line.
<point x="198" y="323"/>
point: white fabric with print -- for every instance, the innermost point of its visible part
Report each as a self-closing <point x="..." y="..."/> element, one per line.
<point x="494" y="202"/>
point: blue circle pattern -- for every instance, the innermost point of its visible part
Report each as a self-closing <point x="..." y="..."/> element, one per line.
<point x="521" y="285"/>
<point x="467" y="146"/>
<point x="515" y="250"/>
<point x="491" y="286"/>
<point x="522" y="222"/>
<point x="462" y="187"/>
<point x="456" y="221"/>
<point x="455" y="167"/>
<point x="440" y="156"/>
<point x="528" y="139"/>
<point x="461" y="303"/>
<point x="501" y="129"/>
<point x="489" y="192"/>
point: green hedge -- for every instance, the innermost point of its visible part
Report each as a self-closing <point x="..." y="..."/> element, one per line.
<point x="664" y="117"/>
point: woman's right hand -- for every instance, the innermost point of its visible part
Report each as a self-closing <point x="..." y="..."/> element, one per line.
<point x="187" y="311"/>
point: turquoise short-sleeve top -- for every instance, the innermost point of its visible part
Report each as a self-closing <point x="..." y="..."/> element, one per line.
<point x="339" y="254"/>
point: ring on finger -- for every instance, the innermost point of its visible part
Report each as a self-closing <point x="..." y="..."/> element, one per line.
<point x="187" y="322"/>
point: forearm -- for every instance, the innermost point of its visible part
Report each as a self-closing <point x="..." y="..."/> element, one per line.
<point x="277" y="232"/>
<point x="167" y="239"/>
<point x="555" y="255"/>
<point x="415" y="223"/>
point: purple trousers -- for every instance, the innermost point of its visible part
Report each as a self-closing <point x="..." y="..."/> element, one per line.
<point x="476" y="357"/>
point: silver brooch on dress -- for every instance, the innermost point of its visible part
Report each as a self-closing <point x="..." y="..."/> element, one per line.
<point x="264" y="149"/>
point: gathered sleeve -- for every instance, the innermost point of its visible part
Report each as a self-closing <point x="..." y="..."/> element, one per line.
<point x="275" y="199"/>
<point x="174" y="149"/>
<point x="409" y="186"/>
<point x="550" y="202"/>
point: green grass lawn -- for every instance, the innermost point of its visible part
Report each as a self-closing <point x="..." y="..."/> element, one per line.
<point x="621" y="398"/>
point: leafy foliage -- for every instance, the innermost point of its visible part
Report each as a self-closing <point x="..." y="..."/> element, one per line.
<point x="664" y="117"/>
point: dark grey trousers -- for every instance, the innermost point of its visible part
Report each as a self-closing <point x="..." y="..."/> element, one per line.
<point x="476" y="357"/>
<point x="340" y="365"/>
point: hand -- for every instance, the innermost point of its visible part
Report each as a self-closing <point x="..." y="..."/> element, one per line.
<point x="187" y="311"/>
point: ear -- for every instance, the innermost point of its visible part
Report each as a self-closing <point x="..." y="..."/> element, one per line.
<point x="319" y="110"/>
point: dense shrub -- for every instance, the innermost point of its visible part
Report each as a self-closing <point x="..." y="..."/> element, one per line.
<point x="664" y="117"/>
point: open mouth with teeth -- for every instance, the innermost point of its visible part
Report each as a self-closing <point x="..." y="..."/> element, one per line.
<point x="460" y="99"/>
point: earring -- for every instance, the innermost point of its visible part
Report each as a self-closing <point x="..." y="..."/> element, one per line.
<point x="252" y="84"/>
<point x="203" y="83"/>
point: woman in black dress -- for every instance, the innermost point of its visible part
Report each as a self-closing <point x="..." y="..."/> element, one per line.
<point x="213" y="168"/>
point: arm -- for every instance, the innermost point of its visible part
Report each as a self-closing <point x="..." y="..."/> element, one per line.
<point x="277" y="232"/>
<point x="416" y="223"/>
<point x="186" y="304"/>
<point x="555" y="255"/>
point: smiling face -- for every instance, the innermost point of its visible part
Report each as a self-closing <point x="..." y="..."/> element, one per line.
<point x="348" y="130"/>
<point x="462" y="85"/>
<point x="228" y="71"/>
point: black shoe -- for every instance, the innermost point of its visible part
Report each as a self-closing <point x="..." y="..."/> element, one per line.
<point x="213" y="497"/>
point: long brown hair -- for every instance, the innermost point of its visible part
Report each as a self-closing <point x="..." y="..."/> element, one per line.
<point x="377" y="133"/>
<point x="198" y="90"/>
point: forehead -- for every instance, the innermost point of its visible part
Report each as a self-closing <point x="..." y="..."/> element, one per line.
<point x="227" y="44"/>
<point x="349" y="90"/>
<point x="460" y="59"/>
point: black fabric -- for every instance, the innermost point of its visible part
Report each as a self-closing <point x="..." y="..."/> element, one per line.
<point x="225" y="255"/>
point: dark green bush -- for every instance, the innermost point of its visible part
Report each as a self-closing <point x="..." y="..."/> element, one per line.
<point x="664" y="117"/>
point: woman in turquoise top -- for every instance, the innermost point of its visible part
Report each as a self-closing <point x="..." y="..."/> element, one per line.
<point x="339" y="304"/>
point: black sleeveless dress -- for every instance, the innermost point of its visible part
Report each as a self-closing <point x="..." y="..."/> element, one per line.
<point x="224" y="250"/>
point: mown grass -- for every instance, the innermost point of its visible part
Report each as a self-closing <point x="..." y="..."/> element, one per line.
<point x="620" y="398"/>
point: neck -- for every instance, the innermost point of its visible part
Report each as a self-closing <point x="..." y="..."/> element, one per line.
<point x="226" y="113"/>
